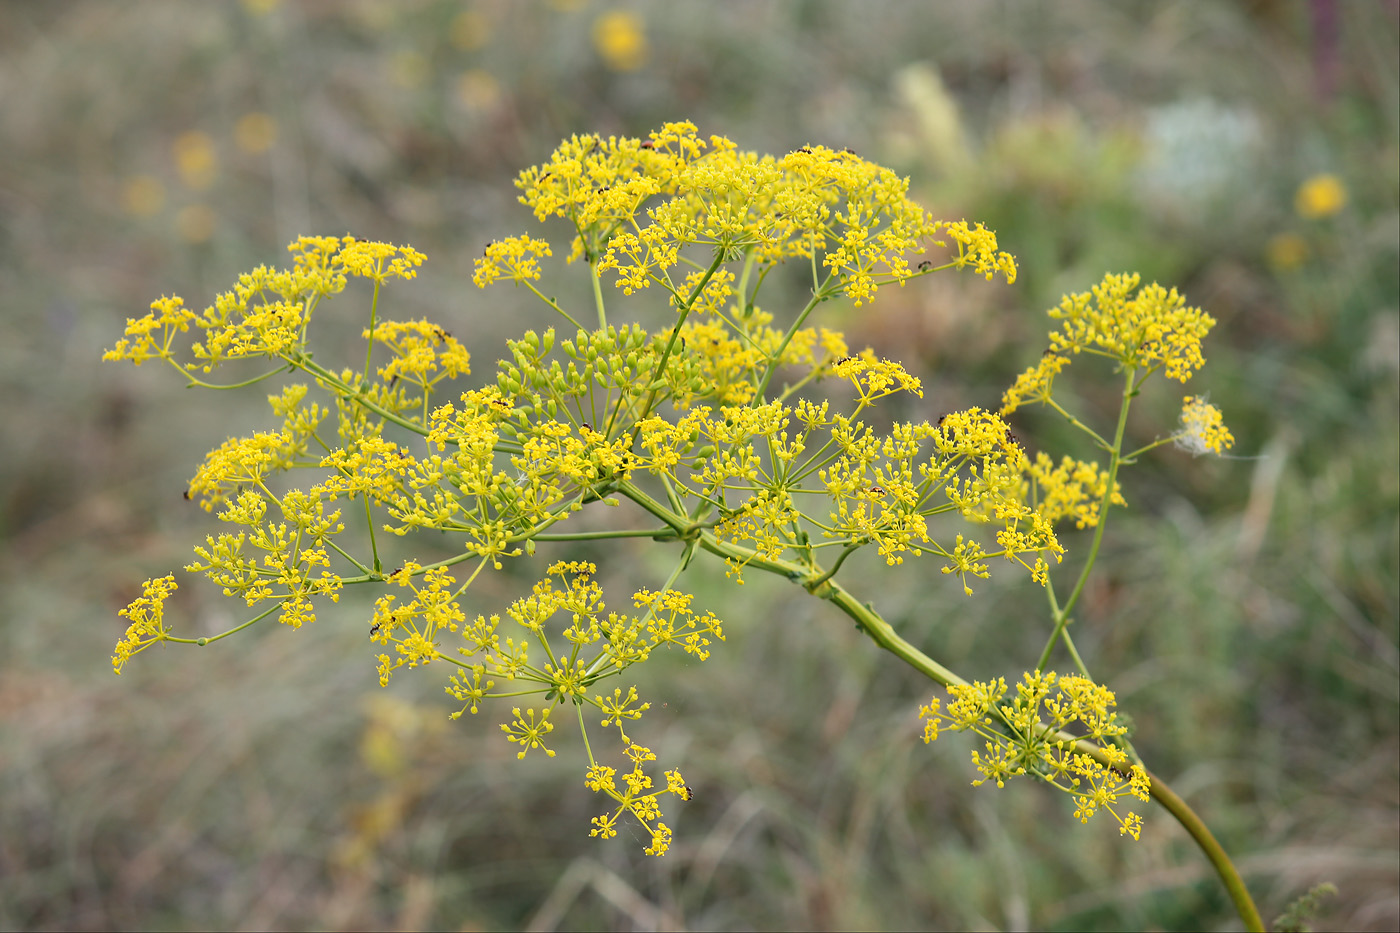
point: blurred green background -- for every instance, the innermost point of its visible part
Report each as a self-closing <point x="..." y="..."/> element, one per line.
<point x="1246" y="611"/>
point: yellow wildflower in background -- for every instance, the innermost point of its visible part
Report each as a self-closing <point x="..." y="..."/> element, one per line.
<point x="470" y="30"/>
<point x="408" y="69"/>
<point x="478" y="90"/>
<point x="1320" y="196"/>
<point x="196" y="222"/>
<point x="143" y="195"/>
<point x="620" y="40"/>
<point x="1287" y="251"/>
<point x="195" y="159"/>
<point x="255" y="132"/>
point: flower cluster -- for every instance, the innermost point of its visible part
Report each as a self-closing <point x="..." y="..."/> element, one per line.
<point x="1044" y="730"/>
<point x="637" y="798"/>
<point x="712" y="431"/>
<point x="1152" y="329"/>
<point x="1202" y="428"/>
<point x="147" y="615"/>
<point x="1073" y="489"/>
<point x="267" y="311"/>
<point x="637" y="205"/>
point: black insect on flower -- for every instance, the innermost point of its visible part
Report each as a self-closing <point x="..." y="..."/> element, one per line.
<point x="925" y="265"/>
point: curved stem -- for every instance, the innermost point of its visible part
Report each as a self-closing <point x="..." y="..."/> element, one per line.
<point x="819" y="583"/>
<point x="1206" y="841"/>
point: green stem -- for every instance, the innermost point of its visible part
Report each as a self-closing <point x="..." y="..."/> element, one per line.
<point x="604" y="535"/>
<point x="554" y="304"/>
<point x="1105" y="502"/>
<point x="369" y="524"/>
<point x="1081" y="425"/>
<point x="676" y="333"/>
<point x="238" y="628"/>
<point x="369" y="344"/>
<point x="597" y="295"/>
<point x="335" y="384"/>
<point x="1206" y="841"/>
<point x="193" y="381"/>
<point x="818" y="296"/>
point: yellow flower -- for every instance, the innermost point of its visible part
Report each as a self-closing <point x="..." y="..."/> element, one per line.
<point x="366" y="258"/>
<point x="1074" y="489"/>
<point x="1287" y="251"/>
<point x="169" y="316"/>
<point x="1153" y="326"/>
<point x="620" y="40"/>
<point x="1035" y="384"/>
<point x="143" y="195"/>
<point x="977" y="247"/>
<point x="478" y="90"/>
<point x="1320" y="196"/>
<point x="1203" y="428"/>
<point x="196" y="160"/>
<point x="147" y="615"/>
<point x="408" y="69"/>
<point x="1036" y="718"/>
<point x="515" y="258"/>
<point x="196" y="223"/>
<point x="255" y="132"/>
<point x="470" y="30"/>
